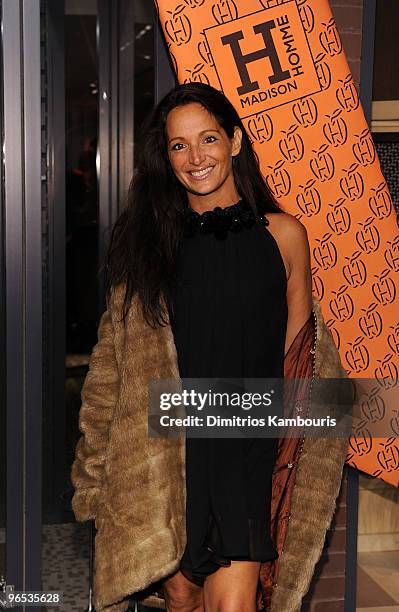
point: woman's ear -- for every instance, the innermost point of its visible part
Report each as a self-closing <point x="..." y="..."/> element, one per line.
<point x="236" y="141"/>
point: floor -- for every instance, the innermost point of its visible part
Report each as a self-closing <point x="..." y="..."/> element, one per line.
<point x="378" y="582"/>
<point x="66" y="561"/>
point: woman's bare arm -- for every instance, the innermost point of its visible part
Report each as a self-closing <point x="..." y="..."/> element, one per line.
<point x="292" y="239"/>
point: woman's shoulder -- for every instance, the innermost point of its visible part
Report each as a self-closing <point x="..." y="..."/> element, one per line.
<point x="291" y="237"/>
<point x="287" y="225"/>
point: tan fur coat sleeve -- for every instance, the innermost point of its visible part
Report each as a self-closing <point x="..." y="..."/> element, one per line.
<point x="99" y="396"/>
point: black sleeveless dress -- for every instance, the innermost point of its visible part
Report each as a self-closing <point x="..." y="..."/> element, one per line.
<point x="229" y="320"/>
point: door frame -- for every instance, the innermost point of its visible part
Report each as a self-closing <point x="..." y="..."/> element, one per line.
<point x="22" y="277"/>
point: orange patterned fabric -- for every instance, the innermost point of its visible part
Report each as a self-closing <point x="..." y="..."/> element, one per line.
<point x="281" y="63"/>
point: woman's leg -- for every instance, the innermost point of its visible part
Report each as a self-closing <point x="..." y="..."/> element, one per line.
<point x="182" y="595"/>
<point x="233" y="588"/>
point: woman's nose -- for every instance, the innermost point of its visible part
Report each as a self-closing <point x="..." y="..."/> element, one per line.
<point x="197" y="155"/>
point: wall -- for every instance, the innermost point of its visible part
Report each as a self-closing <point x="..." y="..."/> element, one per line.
<point x="348" y="14"/>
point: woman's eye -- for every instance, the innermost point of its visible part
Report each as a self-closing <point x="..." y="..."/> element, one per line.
<point x="210" y="139"/>
<point x="177" y="146"/>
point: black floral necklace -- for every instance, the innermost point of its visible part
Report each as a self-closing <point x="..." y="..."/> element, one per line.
<point x="220" y="221"/>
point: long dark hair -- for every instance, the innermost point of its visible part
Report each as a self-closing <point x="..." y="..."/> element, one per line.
<point x="145" y="237"/>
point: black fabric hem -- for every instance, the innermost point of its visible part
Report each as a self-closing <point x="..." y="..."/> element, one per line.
<point x="217" y="561"/>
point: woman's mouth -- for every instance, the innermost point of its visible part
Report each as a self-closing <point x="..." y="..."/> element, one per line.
<point x="201" y="174"/>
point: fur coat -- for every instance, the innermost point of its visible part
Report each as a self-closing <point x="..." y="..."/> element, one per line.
<point x="133" y="486"/>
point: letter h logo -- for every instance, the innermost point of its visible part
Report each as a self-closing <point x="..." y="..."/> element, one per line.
<point x="241" y="59"/>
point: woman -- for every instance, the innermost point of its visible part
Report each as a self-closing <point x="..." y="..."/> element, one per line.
<point x="201" y="248"/>
<point x="231" y="321"/>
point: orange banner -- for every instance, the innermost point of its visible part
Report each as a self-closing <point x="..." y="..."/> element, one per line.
<point x="282" y="65"/>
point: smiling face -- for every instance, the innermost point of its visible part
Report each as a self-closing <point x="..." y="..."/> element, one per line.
<point x="201" y="153"/>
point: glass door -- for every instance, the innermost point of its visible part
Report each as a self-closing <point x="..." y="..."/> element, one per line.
<point x="101" y="84"/>
<point x="77" y="78"/>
